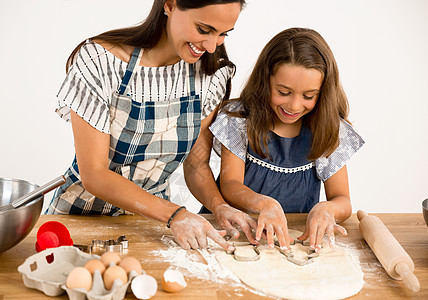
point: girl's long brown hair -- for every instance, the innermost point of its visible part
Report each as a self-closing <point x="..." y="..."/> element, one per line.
<point x="147" y="35"/>
<point x="301" y="47"/>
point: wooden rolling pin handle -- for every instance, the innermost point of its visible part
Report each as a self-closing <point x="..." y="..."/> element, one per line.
<point x="395" y="260"/>
<point x="361" y="214"/>
<point x="409" y="279"/>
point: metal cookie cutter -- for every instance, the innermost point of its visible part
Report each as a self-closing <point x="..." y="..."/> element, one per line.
<point x="100" y="246"/>
<point x="290" y="256"/>
<point x="237" y="256"/>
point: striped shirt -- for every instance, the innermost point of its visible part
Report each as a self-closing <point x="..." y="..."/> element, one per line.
<point x="96" y="74"/>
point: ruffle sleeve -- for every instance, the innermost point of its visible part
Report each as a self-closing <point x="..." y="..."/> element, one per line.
<point x="349" y="143"/>
<point x="216" y="89"/>
<point x="84" y="90"/>
<point x="230" y="132"/>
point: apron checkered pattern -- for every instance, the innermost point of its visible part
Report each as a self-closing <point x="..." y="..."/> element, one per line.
<point x="148" y="141"/>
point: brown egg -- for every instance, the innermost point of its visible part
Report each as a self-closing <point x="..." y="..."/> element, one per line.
<point x="111" y="274"/>
<point x="79" y="277"/>
<point x="110" y="257"/>
<point x="173" y="281"/>
<point x="95" y="264"/>
<point x="129" y="263"/>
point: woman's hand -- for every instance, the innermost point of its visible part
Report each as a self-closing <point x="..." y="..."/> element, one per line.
<point x="227" y="216"/>
<point x="321" y="220"/>
<point x="272" y="219"/>
<point x="191" y="231"/>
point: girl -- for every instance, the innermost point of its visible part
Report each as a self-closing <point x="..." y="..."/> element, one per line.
<point x="287" y="132"/>
<point x="138" y="99"/>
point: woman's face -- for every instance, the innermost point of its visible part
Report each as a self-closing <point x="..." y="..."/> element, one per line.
<point x="294" y="92"/>
<point x="191" y="32"/>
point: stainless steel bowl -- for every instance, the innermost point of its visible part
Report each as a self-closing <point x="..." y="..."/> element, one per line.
<point x="16" y="223"/>
<point x="425" y="210"/>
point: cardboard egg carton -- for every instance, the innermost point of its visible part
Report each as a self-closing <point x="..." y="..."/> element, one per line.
<point x="98" y="291"/>
<point x="47" y="271"/>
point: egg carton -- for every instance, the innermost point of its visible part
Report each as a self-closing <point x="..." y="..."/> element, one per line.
<point x="47" y="270"/>
<point x="98" y="291"/>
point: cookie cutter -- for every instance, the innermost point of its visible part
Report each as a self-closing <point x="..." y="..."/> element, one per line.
<point x="100" y="246"/>
<point x="290" y="256"/>
<point x="241" y="244"/>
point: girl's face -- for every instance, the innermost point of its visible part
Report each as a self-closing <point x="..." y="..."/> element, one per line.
<point x="294" y="92"/>
<point x="192" y="32"/>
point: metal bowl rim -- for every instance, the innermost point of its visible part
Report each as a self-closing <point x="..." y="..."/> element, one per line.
<point x="17" y="180"/>
<point x="23" y="181"/>
<point x="425" y="204"/>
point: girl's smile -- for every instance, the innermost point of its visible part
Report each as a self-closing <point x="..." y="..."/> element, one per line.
<point x="288" y="114"/>
<point x="294" y="93"/>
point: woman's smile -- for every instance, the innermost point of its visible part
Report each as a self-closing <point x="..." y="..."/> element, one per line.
<point x="195" y="51"/>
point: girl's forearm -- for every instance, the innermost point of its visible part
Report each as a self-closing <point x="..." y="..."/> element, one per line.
<point x="200" y="181"/>
<point x="242" y="197"/>
<point x="341" y="207"/>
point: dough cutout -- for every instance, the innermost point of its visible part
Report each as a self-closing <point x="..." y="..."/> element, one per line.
<point x="334" y="274"/>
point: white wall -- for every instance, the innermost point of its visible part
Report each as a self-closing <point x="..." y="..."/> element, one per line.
<point x="381" y="47"/>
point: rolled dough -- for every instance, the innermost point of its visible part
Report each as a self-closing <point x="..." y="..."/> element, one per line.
<point x="245" y="253"/>
<point x="335" y="274"/>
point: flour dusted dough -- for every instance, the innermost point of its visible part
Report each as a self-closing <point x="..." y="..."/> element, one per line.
<point x="245" y="253"/>
<point x="333" y="275"/>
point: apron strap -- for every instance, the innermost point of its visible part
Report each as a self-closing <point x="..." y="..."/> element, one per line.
<point x="134" y="62"/>
<point x="191" y="79"/>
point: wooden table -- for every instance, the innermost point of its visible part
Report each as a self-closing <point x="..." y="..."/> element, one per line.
<point x="144" y="237"/>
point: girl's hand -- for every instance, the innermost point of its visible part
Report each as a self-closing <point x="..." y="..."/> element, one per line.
<point x="272" y="219"/>
<point x="226" y="216"/>
<point x="191" y="231"/>
<point x="321" y="221"/>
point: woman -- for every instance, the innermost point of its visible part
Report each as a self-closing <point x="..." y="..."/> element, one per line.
<point x="139" y="99"/>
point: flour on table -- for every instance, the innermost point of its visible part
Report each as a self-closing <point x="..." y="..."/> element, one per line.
<point x="188" y="262"/>
<point x="335" y="274"/>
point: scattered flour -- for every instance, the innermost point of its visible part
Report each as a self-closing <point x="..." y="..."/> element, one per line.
<point x="189" y="263"/>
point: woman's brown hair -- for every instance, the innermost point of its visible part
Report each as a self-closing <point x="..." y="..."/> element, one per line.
<point x="301" y="47"/>
<point x="147" y="35"/>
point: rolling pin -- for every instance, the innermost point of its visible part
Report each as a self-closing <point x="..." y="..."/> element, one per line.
<point x="395" y="260"/>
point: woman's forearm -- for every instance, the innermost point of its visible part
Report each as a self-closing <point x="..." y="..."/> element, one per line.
<point x="121" y="192"/>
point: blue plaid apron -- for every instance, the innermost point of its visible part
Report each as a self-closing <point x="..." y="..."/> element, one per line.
<point x="148" y="142"/>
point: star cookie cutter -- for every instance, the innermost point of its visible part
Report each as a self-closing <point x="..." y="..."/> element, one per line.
<point x="290" y="256"/>
<point x="236" y="254"/>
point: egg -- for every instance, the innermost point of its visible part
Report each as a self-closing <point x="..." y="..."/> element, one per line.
<point x="110" y="257"/>
<point x="173" y="281"/>
<point x="95" y="264"/>
<point x="111" y="274"/>
<point x="129" y="263"/>
<point x="79" y="277"/>
<point x="144" y="286"/>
